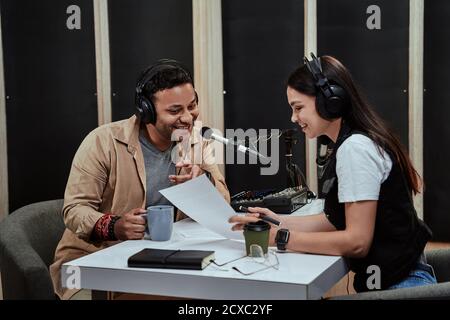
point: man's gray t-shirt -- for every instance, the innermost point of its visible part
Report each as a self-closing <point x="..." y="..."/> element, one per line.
<point x="158" y="167"/>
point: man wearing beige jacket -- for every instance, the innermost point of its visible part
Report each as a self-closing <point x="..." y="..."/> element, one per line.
<point x="119" y="167"/>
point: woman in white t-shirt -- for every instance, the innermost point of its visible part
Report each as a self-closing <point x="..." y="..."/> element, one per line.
<point x="367" y="182"/>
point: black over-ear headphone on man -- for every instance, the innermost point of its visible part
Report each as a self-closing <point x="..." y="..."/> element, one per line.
<point x="145" y="109"/>
<point x="332" y="99"/>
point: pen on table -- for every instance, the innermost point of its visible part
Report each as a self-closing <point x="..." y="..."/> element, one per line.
<point x="262" y="217"/>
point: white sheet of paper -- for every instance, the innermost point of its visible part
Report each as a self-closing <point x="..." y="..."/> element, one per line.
<point x="189" y="229"/>
<point x="201" y="201"/>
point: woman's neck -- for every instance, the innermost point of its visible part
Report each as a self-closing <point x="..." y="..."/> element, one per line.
<point x="333" y="129"/>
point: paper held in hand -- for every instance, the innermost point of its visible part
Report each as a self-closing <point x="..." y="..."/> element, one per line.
<point x="200" y="200"/>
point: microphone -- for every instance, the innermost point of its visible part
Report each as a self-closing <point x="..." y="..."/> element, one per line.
<point x="289" y="133"/>
<point x="207" y="133"/>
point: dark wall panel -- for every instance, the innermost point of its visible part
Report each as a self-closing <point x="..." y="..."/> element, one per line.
<point x="378" y="59"/>
<point x="437" y="118"/>
<point x="262" y="44"/>
<point x="50" y="87"/>
<point x="141" y="32"/>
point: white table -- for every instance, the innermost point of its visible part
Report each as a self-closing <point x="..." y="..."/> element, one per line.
<point x="299" y="276"/>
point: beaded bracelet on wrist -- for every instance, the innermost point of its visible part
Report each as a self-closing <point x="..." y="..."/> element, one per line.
<point x="111" y="233"/>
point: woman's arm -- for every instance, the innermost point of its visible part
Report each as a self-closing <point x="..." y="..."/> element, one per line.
<point x="354" y="241"/>
<point x="315" y="234"/>
<point x="310" y="223"/>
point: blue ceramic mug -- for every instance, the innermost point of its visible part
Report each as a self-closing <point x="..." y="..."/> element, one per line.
<point x="159" y="223"/>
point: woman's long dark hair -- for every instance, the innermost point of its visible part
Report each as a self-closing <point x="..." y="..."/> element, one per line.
<point x="360" y="116"/>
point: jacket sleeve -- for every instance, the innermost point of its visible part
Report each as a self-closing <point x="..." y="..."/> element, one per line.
<point x="209" y="164"/>
<point x="87" y="179"/>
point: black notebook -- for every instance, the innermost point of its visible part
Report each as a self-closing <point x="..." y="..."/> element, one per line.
<point x="171" y="259"/>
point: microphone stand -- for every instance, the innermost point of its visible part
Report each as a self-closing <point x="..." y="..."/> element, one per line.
<point x="293" y="171"/>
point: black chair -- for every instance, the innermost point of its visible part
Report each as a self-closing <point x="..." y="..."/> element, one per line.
<point x="439" y="259"/>
<point x="28" y="239"/>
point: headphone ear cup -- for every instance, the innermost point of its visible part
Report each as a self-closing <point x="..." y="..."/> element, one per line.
<point x="145" y="110"/>
<point x="335" y="104"/>
<point x="150" y="112"/>
<point x="139" y="111"/>
<point x="321" y="106"/>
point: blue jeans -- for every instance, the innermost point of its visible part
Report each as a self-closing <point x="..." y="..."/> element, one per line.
<point x="421" y="275"/>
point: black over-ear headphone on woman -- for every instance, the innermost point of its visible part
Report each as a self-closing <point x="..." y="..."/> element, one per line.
<point x="332" y="99"/>
<point x="145" y="109"/>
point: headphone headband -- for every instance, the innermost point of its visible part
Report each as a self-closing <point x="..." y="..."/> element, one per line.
<point x="157" y="67"/>
<point x="315" y="68"/>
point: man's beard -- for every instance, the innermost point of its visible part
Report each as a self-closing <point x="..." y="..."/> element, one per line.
<point x="171" y="133"/>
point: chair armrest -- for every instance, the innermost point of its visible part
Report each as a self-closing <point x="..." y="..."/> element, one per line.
<point x="440" y="260"/>
<point x="21" y="264"/>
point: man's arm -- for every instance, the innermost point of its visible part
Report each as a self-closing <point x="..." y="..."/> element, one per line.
<point x="87" y="179"/>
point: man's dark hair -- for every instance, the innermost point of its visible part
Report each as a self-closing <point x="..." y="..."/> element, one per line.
<point x="163" y="75"/>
